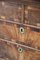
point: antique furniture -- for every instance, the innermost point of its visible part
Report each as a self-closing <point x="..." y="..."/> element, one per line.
<point x="19" y="30"/>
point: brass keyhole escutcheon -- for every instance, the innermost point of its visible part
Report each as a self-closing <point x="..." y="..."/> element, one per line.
<point x="20" y="50"/>
<point x="21" y="30"/>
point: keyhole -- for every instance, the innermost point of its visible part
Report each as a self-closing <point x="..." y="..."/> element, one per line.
<point x="21" y="29"/>
<point x="20" y="50"/>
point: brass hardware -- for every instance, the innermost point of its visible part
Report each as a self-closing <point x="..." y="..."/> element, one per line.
<point x="21" y="30"/>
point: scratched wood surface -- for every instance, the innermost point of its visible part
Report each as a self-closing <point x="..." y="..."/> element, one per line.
<point x="11" y="32"/>
<point x="31" y="38"/>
